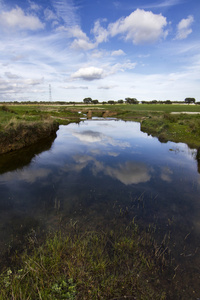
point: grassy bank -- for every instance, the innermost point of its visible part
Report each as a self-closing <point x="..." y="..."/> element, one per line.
<point x="18" y="134"/>
<point x="156" y="119"/>
<point x="177" y="128"/>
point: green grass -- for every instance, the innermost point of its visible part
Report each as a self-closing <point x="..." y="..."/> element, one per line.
<point x="177" y="128"/>
<point x="88" y="265"/>
<point x="155" y="118"/>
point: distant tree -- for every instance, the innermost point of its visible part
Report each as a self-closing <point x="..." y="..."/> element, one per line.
<point x="87" y="100"/>
<point x="168" y="102"/>
<point x="120" y="101"/>
<point x="131" y="100"/>
<point x="154" y="101"/>
<point x="95" y="101"/>
<point x="111" y="102"/>
<point x="190" y="100"/>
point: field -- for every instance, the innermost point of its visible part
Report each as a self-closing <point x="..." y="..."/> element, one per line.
<point x="175" y="122"/>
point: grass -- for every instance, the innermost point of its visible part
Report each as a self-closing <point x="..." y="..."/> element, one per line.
<point x="156" y="119"/>
<point x="88" y="265"/>
<point x="177" y="128"/>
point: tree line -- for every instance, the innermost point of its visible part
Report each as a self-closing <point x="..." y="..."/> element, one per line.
<point x="129" y="100"/>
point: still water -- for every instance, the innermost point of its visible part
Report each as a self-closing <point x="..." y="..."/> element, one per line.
<point x="95" y="168"/>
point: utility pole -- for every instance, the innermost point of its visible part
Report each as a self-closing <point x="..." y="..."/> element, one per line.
<point x="50" y="96"/>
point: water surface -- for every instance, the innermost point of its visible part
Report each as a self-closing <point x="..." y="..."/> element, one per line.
<point x="96" y="169"/>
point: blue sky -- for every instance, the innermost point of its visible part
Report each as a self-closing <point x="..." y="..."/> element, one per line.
<point x="103" y="49"/>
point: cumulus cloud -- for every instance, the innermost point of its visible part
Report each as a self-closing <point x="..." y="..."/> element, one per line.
<point x="117" y="53"/>
<point x="140" y="27"/>
<point x="81" y="41"/>
<point x="17" y="19"/>
<point x="184" y="28"/>
<point x="89" y="73"/>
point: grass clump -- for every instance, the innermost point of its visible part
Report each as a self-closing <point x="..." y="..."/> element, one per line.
<point x="86" y="265"/>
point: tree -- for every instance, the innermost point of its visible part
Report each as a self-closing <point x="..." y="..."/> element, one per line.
<point x="120" y="101"/>
<point x="131" y="100"/>
<point x="168" y="102"/>
<point x="87" y="100"/>
<point x="95" y="101"/>
<point x="190" y="100"/>
<point x="111" y="102"/>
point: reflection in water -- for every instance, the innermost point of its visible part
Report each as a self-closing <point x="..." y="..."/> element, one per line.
<point x="26" y="175"/>
<point x="166" y="174"/>
<point x="129" y="172"/>
<point x="94" y="170"/>
<point x="20" y="158"/>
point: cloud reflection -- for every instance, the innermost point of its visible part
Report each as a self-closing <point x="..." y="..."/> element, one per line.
<point x="166" y="174"/>
<point x="90" y="136"/>
<point x="128" y="173"/>
<point x="26" y="175"/>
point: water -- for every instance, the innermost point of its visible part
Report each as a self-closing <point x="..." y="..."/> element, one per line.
<point x="94" y="170"/>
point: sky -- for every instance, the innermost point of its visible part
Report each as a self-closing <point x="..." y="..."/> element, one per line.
<point x="67" y="50"/>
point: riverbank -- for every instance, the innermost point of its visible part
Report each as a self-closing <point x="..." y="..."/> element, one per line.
<point x="177" y="123"/>
<point x="21" y="134"/>
<point x="184" y="128"/>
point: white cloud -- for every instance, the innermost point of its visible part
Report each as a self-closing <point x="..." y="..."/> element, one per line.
<point x="66" y="10"/>
<point x="117" y="53"/>
<point x="17" y="19"/>
<point x="140" y="27"/>
<point x="107" y="87"/>
<point x="100" y="33"/>
<point x="72" y="87"/>
<point x="89" y="73"/>
<point x="11" y="76"/>
<point x="34" y="6"/>
<point x="34" y="81"/>
<point x="49" y="15"/>
<point x="121" y="67"/>
<point x="184" y="28"/>
<point x="81" y="42"/>
<point x="165" y="3"/>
